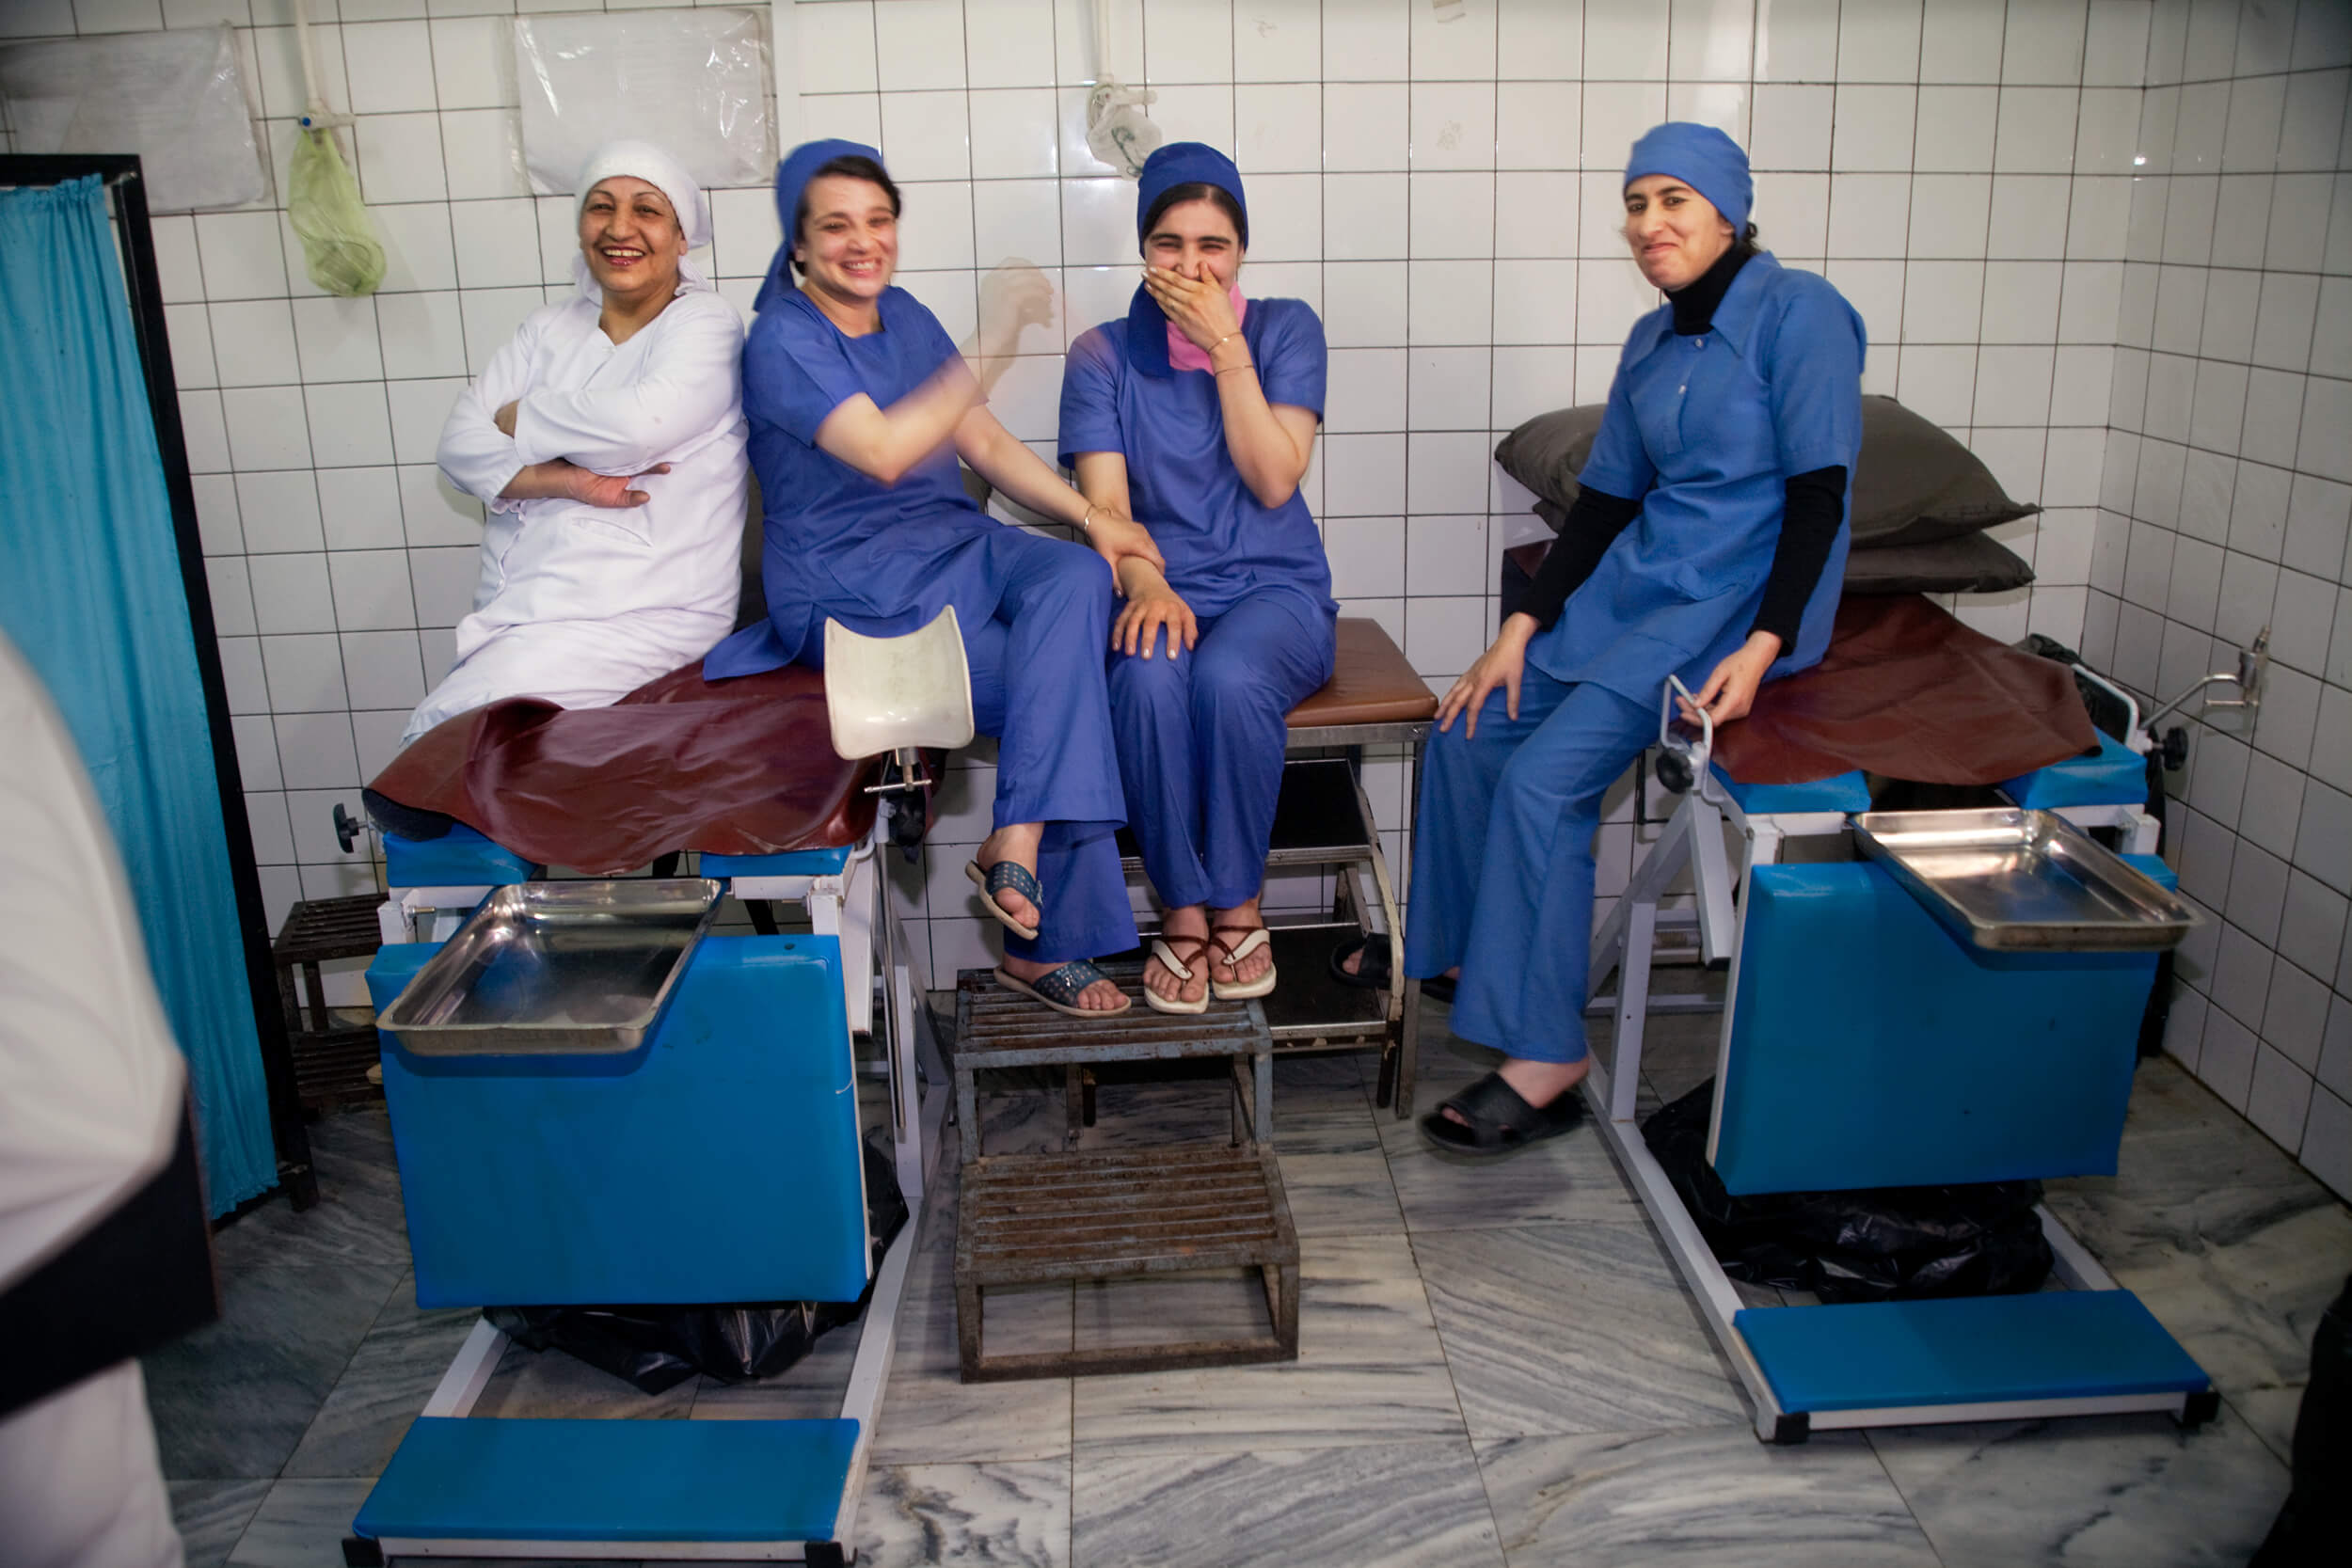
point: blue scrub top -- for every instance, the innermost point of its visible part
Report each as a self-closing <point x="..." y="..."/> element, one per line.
<point x="839" y="542"/>
<point x="1705" y="431"/>
<point x="1220" y="541"/>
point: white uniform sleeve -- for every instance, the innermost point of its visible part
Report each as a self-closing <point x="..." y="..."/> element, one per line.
<point x="91" y="1085"/>
<point x="691" y="384"/>
<point x="478" y="457"/>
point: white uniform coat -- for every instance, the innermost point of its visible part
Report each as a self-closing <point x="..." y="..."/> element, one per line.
<point x="578" y="603"/>
<point x="91" y="1090"/>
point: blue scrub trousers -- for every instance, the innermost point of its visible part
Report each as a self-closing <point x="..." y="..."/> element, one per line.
<point x="1038" y="685"/>
<point x="1201" y="742"/>
<point x="1503" y="859"/>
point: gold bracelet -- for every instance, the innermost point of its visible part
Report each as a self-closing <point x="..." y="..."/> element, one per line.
<point x="1244" y="365"/>
<point x="1086" y="518"/>
<point x="1222" y="342"/>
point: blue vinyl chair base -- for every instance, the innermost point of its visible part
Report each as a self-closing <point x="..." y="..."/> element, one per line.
<point x="1839" y="792"/>
<point x="793" y="863"/>
<point x="1980" y="1350"/>
<point x="2114" y="775"/>
<point x="459" y="858"/>
<point x="558" y="1481"/>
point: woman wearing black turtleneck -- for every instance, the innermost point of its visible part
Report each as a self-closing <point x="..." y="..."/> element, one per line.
<point x="1707" y="542"/>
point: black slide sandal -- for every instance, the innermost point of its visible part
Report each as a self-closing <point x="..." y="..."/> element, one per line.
<point x="1500" y="1121"/>
<point x="1374" y="976"/>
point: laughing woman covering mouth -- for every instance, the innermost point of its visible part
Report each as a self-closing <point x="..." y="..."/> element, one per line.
<point x="860" y="406"/>
<point x="607" y="440"/>
<point x="1706" y="542"/>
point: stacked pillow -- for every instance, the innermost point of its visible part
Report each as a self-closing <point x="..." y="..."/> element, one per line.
<point x="1921" y="500"/>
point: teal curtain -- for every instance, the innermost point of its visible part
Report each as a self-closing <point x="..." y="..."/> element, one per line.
<point x="90" y="590"/>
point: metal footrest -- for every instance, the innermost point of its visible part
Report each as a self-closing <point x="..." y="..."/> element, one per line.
<point x="1099" y="1214"/>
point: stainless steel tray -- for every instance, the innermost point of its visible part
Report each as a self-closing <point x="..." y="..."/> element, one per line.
<point x="2023" y="880"/>
<point x="547" y="967"/>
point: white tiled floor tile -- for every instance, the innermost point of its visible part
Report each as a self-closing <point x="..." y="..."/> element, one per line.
<point x="1962" y="41"/>
<point x="1615" y="114"/>
<point x="1540" y="39"/>
<point x="1457" y="47"/>
<point x="1539" y="124"/>
<point x="837" y="48"/>
<point x="1366" y="126"/>
<point x="1711" y="41"/>
<point x="1792" y="127"/>
<point x="1276" y="127"/>
<point x="1452" y="214"/>
<point x="400" y="159"/>
<point x="1873" y="126"/>
<point x="1450" y="302"/>
<point x="919" y="45"/>
<point x="396" y="73"/>
<point x="1955" y="131"/>
<point x="2036" y="133"/>
<point x="482" y="154"/>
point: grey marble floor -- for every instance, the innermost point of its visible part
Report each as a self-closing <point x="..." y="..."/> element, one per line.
<point x="1497" y="1365"/>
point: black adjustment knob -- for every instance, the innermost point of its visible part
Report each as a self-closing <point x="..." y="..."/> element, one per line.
<point x="2173" y="748"/>
<point x="1674" y="771"/>
<point x="347" y="828"/>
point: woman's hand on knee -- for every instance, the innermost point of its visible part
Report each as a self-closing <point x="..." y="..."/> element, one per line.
<point x="1150" y="607"/>
<point x="1117" y="539"/>
<point x="1503" y="664"/>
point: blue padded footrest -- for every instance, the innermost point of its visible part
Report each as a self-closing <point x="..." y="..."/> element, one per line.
<point x="1894" y="1354"/>
<point x="492" y="1479"/>
<point x="793" y="863"/>
<point x="459" y="858"/>
<point x="1842" y="792"/>
<point x="2114" y="775"/>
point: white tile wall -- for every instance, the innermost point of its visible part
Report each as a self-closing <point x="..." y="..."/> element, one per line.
<point x="2101" y="240"/>
<point x="2232" y="411"/>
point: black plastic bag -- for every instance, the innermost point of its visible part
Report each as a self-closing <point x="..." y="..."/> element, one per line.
<point x="1875" y="1244"/>
<point x="657" y="1348"/>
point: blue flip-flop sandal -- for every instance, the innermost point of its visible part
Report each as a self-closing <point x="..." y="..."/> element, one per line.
<point x="995" y="879"/>
<point x="1059" y="989"/>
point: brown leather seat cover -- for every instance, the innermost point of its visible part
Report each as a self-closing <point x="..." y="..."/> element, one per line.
<point x="742" y="767"/>
<point x="1907" y="691"/>
<point x="1372" y="683"/>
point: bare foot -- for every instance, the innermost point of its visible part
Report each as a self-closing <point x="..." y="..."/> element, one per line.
<point x="1101" y="997"/>
<point x="1537" y="1083"/>
<point x="1186" y="933"/>
<point x="1244" y="917"/>
<point x="1017" y="844"/>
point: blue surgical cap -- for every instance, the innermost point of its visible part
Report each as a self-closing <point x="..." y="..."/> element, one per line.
<point x="1179" y="163"/>
<point x="1702" y="158"/>
<point x="792" y="177"/>
<point x="1188" y="163"/>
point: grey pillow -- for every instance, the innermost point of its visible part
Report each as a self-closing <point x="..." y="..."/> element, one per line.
<point x="1913" y="485"/>
<point x="1965" y="563"/>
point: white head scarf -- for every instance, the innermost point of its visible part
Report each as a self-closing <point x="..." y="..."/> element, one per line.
<point x="646" y="162"/>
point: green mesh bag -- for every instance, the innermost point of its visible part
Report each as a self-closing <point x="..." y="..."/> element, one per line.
<point x="338" y="241"/>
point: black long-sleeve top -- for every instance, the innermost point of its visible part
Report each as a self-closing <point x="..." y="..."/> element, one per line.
<point x="1814" y="506"/>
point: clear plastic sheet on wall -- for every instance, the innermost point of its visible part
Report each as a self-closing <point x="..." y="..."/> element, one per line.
<point x="696" y="82"/>
<point x="176" y="98"/>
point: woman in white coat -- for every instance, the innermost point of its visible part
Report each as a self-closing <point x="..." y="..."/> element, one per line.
<point x="607" y="440"/>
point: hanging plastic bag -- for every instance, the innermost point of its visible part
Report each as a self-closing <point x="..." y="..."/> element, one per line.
<point x="1871" y="1243"/>
<point x="339" y="242"/>
<point x="657" y="1348"/>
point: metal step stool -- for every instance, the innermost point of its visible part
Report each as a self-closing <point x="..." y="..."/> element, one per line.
<point x="1097" y="1214"/>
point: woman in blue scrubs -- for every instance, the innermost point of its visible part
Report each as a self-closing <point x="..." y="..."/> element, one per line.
<point x="859" y="406"/>
<point x="1197" y="412"/>
<point x="1708" y="541"/>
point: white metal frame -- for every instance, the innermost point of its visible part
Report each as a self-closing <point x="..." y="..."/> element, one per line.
<point x="854" y="906"/>
<point x="1626" y="943"/>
